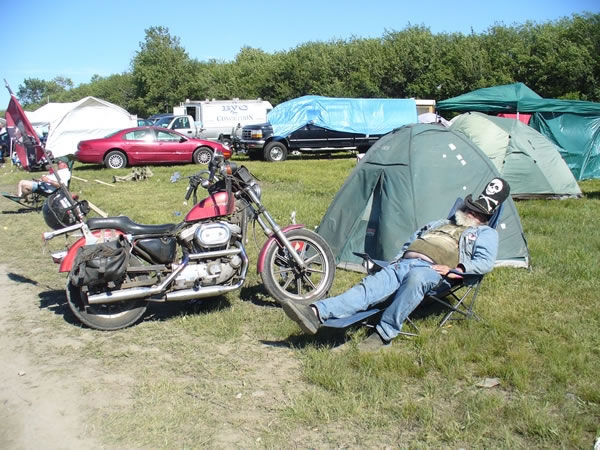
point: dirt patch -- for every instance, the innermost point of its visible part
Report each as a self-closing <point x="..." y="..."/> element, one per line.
<point x="44" y="396"/>
<point x="54" y="393"/>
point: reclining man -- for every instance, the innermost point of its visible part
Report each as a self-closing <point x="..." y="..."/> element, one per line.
<point x="47" y="184"/>
<point x="462" y="244"/>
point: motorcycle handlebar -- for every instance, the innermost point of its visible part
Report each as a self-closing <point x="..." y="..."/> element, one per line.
<point x="216" y="164"/>
<point x="188" y="192"/>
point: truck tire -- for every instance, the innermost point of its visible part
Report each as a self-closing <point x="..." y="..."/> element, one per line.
<point x="275" y="151"/>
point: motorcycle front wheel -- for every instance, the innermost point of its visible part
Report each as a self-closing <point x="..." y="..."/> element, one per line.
<point x="284" y="279"/>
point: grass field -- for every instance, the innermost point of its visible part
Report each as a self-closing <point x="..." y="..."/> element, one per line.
<point x="236" y="363"/>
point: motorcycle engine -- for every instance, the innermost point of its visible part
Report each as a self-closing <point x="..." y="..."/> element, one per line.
<point x="209" y="237"/>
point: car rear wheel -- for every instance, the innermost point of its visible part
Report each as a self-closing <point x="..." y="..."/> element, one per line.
<point x="275" y="151"/>
<point x="115" y="160"/>
<point x="203" y="155"/>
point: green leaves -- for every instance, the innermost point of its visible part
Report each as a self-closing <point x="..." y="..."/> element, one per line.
<point x="555" y="59"/>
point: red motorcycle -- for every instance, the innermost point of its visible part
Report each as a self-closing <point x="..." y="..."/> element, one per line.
<point x="119" y="266"/>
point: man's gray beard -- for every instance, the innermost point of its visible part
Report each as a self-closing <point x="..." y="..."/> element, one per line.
<point x="463" y="219"/>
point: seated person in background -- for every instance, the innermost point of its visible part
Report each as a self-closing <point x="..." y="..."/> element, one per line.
<point x="462" y="244"/>
<point x="47" y="184"/>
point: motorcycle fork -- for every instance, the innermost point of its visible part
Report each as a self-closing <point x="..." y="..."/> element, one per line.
<point x="272" y="228"/>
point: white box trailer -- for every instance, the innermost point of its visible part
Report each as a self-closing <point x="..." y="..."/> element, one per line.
<point x="216" y="119"/>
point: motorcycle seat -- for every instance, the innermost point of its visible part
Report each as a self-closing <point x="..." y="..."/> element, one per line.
<point x="128" y="226"/>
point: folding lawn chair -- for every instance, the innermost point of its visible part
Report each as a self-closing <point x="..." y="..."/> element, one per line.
<point x="459" y="298"/>
<point x="35" y="200"/>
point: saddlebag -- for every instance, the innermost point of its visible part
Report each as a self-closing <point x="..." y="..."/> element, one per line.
<point x="100" y="263"/>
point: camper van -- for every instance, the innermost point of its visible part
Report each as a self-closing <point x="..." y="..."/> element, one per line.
<point x="215" y="119"/>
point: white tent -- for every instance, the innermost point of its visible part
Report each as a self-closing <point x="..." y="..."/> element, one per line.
<point x="433" y="118"/>
<point x="69" y="123"/>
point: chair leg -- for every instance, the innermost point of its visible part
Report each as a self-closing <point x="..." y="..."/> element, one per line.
<point x="461" y="306"/>
<point x="413" y="325"/>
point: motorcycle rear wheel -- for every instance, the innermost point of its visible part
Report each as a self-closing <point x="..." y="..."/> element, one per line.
<point x="106" y="317"/>
<point x="284" y="280"/>
<point x="109" y="316"/>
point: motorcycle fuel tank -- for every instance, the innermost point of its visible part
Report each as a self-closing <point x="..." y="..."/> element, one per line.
<point x="215" y="205"/>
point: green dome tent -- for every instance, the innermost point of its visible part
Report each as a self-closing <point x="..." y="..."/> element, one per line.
<point x="409" y="177"/>
<point x="495" y="99"/>
<point x="573" y="125"/>
<point x="529" y="161"/>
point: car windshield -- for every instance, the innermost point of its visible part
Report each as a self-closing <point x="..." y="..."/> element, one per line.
<point x="163" y="122"/>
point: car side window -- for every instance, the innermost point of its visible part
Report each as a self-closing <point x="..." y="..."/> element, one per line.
<point x="138" y="135"/>
<point x="164" y="136"/>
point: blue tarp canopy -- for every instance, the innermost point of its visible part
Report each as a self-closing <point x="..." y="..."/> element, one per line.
<point x="354" y="115"/>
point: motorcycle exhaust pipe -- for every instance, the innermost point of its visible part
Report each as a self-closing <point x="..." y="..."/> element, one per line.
<point x="203" y="292"/>
<point x="135" y="293"/>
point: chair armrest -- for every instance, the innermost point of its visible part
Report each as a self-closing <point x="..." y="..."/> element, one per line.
<point x="466" y="277"/>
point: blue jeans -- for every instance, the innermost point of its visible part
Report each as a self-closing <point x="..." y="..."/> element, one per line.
<point x="408" y="280"/>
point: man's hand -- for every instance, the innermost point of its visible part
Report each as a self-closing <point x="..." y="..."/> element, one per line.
<point x="444" y="271"/>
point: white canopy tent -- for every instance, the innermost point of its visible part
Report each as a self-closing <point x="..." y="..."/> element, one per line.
<point x="69" y="123"/>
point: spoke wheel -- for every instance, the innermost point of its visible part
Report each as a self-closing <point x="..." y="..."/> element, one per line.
<point x="285" y="279"/>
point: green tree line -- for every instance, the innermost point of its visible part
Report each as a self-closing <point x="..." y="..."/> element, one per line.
<point x="558" y="59"/>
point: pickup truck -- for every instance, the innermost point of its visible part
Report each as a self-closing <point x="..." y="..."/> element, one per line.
<point x="259" y="142"/>
<point x="183" y="124"/>
<point x="316" y="124"/>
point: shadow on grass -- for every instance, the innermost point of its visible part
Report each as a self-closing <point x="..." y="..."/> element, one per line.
<point x="90" y="167"/>
<point x="21" y="279"/>
<point x="258" y="296"/>
<point x="329" y="338"/>
<point x="334" y="337"/>
<point x="166" y="311"/>
<point x="56" y="301"/>
<point x="306" y="156"/>
<point x="23" y="210"/>
<point x="593" y="195"/>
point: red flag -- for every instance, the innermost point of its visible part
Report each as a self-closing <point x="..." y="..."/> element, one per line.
<point x="25" y="140"/>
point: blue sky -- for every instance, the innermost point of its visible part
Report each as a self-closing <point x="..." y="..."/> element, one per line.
<point x="77" y="39"/>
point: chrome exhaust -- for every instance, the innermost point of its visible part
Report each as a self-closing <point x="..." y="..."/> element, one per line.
<point x="135" y="293"/>
<point x="203" y="292"/>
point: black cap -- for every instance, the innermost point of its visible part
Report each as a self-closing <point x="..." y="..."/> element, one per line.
<point x="490" y="199"/>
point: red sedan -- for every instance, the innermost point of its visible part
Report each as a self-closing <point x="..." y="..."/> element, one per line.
<point x="147" y="145"/>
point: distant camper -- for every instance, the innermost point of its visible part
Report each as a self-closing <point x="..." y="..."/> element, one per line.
<point x="217" y="119"/>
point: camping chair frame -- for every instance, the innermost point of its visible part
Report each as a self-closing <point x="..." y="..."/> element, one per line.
<point x="35" y="200"/>
<point x="459" y="298"/>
